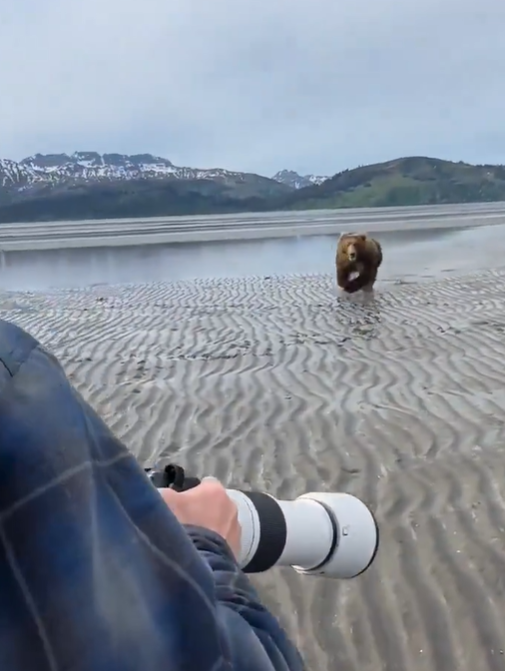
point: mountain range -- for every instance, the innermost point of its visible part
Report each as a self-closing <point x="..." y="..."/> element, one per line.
<point x="87" y="185"/>
<point x="89" y="166"/>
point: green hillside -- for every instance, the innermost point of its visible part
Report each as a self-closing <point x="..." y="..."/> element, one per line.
<point x="403" y="182"/>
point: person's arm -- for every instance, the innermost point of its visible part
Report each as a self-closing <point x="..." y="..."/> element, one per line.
<point x="253" y="637"/>
<point x="241" y="613"/>
<point x="96" y="571"/>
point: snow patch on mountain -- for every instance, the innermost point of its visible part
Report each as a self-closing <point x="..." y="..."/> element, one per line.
<point x="296" y="181"/>
<point x="88" y="166"/>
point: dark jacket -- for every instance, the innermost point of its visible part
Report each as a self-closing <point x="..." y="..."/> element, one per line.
<point x="96" y="574"/>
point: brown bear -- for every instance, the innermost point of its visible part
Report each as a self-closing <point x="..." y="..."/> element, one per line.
<point x="357" y="253"/>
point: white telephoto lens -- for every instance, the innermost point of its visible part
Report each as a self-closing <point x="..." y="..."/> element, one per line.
<point x="357" y="536"/>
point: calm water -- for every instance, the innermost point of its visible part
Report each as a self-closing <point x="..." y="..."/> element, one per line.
<point x="407" y="255"/>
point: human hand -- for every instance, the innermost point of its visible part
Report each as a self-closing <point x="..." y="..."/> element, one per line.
<point x="208" y="506"/>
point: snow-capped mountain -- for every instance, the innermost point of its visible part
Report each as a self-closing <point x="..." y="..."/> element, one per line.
<point x="296" y="181"/>
<point x="89" y="166"/>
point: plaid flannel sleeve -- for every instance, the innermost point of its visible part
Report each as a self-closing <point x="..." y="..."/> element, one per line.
<point x="96" y="574"/>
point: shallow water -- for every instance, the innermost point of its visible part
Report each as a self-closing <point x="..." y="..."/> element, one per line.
<point x="408" y="255"/>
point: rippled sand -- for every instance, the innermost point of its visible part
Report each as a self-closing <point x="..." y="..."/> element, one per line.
<point x="276" y="384"/>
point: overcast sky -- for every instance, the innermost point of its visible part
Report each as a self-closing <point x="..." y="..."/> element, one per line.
<point x="258" y="85"/>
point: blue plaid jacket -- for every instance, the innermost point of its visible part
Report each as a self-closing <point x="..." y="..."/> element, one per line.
<point x="96" y="574"/>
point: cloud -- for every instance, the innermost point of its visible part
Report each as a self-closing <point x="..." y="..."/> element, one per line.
<point x="255" y="85"/>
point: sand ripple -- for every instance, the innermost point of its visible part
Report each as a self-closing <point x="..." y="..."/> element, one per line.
<point x="274" y="383"/>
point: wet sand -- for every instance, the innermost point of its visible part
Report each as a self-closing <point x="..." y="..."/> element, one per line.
<point x="278" y="384"/>
<point x="95" y="233"/>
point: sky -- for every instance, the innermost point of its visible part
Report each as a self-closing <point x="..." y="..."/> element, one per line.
<point x="255" y="85"/>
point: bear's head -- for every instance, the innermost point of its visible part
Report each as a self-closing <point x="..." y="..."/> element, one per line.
<point x="353" y="245"/>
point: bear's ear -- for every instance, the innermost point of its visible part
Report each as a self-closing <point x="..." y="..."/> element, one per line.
<point x="362" y="236"/>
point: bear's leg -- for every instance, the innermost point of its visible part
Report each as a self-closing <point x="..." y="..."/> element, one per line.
<point x="352" y="286"/>
<point x="342" y="277"/>
<point x="369" y="286"/>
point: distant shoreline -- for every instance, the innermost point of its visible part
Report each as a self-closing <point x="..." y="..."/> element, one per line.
<point x="138" y="232"/>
